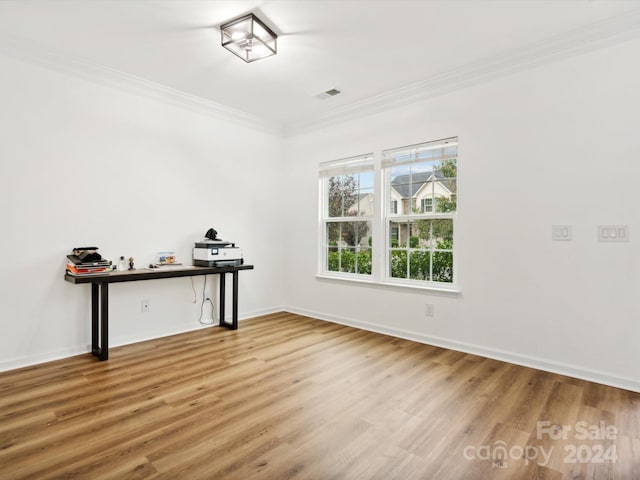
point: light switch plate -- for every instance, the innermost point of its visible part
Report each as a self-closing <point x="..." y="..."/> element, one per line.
<point x="613" y="233"/>
<point x="561" y="233"/>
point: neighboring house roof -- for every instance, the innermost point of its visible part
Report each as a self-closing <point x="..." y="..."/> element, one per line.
<point x="408" y="185"/>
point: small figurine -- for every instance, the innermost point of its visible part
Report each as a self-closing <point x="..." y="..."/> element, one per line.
<point x="131" y="267"/>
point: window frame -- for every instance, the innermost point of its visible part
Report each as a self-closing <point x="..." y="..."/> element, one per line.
<point x="346" y="166"/>
<point x="380" y="229"/>
<point x="418" y="214"/>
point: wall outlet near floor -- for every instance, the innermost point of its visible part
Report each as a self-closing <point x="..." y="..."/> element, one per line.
<point x="145" y="306"/>
<point x="428" y="311"/>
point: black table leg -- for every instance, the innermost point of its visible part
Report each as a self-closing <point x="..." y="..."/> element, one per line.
<point x="100" y="320"/>
<point x="222" y="300"/>
<point x="95" y="319"/>
<point x="104" y="326"/>
<point x="234" y="313"/>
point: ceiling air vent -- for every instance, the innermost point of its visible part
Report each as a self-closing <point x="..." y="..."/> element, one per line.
<point x="328" y="94"/>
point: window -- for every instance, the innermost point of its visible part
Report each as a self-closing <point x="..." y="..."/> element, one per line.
<point x="425" y="177"/>
<point x="404" y="205"/>
<point x="347" y="213"/>
<point x="426" y="205"/>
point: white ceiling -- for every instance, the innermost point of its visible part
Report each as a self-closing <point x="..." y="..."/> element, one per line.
<point x="369" y="49"/>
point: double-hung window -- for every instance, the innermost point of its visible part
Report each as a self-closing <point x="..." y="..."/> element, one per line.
<point x="423" y="180"/>
<point x="346" y="215"/>
<point x="404" y="237"/>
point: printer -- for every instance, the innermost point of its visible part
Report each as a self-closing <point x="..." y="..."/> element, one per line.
<point x="214" y="252"/>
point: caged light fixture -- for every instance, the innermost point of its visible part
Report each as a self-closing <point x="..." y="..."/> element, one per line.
<point x="248" y="38"/>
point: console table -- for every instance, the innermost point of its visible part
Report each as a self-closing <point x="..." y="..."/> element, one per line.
<point x="100" y="295"/>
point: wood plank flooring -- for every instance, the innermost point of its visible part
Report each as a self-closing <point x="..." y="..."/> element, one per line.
<point x="290" y="397"/>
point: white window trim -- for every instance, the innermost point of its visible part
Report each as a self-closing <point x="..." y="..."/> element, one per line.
<point x="369" y="282"/>
<point x="323" y="251"/>
<point x="380" y="261"/>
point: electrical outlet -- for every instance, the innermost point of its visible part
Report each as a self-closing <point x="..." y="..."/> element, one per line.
<point x="428" y="312"/>
<point x="145" y="306"/>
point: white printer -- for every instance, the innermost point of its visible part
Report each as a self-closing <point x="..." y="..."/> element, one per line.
<point x="214" y="252"/>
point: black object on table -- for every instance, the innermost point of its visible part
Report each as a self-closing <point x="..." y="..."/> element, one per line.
<point x="100" y="295"/>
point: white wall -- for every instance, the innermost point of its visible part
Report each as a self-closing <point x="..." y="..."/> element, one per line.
<point x="84" y="163"/>
<point x="558" y="144"/>
<point x="87" y="164"/>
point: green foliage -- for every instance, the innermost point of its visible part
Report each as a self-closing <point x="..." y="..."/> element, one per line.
<point x="443" y="262"/>
<point x="442" y="229"/>
<point x="347" y="260"/>
<point x="364" y="262"/>
<point x="445" y="244"/>
<point x="413" y="242"/>
<point x="446" y="204"/>
<point x="449" y="170"/>
<point x="438" y="229"/>
<point x="420" y="263"/>
<point x="399" y="263"/>
<point x="417" y="261"/>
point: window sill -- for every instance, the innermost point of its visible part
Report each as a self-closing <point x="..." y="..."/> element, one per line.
<point x="453" y="290"/>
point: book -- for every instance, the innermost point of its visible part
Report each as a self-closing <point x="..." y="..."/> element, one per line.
<point x="75" y="270"/>
<point x="76" y="260"/>
<point x="87" y="261"/>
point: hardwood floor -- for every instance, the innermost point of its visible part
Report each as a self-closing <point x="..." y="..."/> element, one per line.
<point x="289" y="397"/>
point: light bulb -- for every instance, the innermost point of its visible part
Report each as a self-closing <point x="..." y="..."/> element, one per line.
<point x="238" y="35"/>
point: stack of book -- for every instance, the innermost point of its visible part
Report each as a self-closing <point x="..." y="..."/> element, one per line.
<point x="87" y="261"/>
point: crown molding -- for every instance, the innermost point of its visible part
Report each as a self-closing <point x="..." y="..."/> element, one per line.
<point x="23" y="50"/>
<point x="576" y="42"/>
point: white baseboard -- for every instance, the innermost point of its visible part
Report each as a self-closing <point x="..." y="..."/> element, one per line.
<point x="29" y="360"/>
<point x="259" y="312"/>
<point x="503" y="355"/>
<point x="117" y="341"/>
<point x="560" y="368"/>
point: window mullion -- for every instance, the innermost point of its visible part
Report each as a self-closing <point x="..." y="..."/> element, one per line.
<point x="378" y="229"/>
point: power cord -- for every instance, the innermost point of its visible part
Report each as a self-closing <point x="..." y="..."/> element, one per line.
<point x="204" y="300"/>
<point x="193" y="287"/>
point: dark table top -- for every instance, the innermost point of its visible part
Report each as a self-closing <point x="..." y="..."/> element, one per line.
<point x="152" y="273"/>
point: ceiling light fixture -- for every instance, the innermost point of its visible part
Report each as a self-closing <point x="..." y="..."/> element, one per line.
<point x="248" y="38"/>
